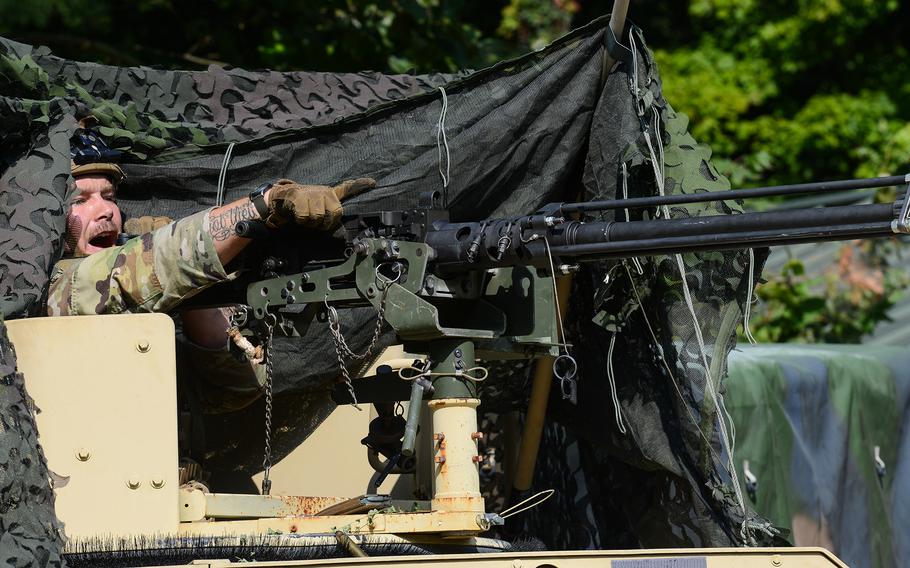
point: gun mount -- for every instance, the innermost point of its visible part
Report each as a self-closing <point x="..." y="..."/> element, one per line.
<point x="466" y="292"/>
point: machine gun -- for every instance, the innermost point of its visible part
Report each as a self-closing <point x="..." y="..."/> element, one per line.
<point x="464" y="292"/>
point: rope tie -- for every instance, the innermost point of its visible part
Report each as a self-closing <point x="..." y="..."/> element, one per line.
<point x="747" y="311"/>
<point x="535" y="500"/>
<point x="611" y="376"/>
<point x="442" y="141"/>
<point x="222" y="175"/>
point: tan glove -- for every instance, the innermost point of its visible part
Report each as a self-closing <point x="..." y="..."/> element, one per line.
<point x="312" y="206"/>
<point x="144" y="224"/>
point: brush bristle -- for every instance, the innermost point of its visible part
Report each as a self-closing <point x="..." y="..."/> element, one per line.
<point x="164" y="550"/>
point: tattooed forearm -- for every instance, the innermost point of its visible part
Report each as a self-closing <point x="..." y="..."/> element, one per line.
<point x="221" y="226"/>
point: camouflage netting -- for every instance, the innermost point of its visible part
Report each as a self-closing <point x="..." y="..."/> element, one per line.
<point x="30" y="534"/>
<point x="545" y="127"/>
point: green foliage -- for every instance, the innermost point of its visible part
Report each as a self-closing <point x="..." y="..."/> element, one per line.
<point x="536" y="23"/>
<point x="790" y="91"/>
<point x="840" y="306"/>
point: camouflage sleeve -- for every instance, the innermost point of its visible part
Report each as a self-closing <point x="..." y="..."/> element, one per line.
<point x="151" y="273"/>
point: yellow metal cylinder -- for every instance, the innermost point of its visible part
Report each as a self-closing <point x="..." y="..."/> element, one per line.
<point x="456" y="479"/>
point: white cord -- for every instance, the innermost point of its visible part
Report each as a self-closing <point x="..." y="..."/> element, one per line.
<point x="547" y="493"/>
<point x="611" y="377"/>
<point x="747" y="311"/>
<point x="443" y="141"/>
<point x="222" y="175"/>
<point x="638" y="104"/>
<point x="482" y="374"/>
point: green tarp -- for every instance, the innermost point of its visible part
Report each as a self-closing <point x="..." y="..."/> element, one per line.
<point x="809" y="420"/>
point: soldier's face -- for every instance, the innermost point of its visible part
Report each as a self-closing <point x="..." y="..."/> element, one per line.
<point x="94" y="220"/>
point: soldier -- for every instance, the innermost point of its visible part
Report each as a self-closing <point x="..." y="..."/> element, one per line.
<point x="159" y="269"/>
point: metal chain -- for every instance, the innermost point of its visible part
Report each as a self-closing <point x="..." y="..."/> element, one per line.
<point x="342" y="349"/>
<point x="267" y="458"/>
<point x="341" y="345"/>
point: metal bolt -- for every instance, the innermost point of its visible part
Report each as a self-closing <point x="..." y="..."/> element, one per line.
<point x="291" y="299"/>
<point x="459" y="364"/>
<point x="440" y="459"/>
<point x="289" y="285"/>
<point x="458" y="353"/>
<point x="477" y="435"/>
<point x="158" y="483"/>
<point x="133" y="482"/>
<point x="83" y="455"/>
<point x="284" y="293"/>
<point x="143" y="346"/>
<point x="304" y="277"/>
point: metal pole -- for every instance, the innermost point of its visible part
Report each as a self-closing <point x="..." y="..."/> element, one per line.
<point x="618" y="17"/>
<point x="733" y="194"/>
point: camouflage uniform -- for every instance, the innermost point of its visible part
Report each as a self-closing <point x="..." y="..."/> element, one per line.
<point x="155" y="272"/>
<point x="151" y="273"/>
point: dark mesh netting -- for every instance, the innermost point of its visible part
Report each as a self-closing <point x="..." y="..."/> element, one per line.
<point x="30" y="534"/>
<point x="553" y="125"/>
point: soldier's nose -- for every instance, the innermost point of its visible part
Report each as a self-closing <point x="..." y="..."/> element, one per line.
<point x="105" y="212"/>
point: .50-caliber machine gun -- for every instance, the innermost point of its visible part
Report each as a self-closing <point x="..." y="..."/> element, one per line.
<point x="460" y="292"/>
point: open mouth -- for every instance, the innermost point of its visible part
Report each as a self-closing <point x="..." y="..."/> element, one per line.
<point x="103" y="240"/>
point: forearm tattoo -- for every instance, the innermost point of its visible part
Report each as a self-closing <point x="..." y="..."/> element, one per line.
<point x="222" y="226"/>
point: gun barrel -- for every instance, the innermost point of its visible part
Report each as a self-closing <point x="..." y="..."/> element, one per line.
<point x="783" y="221"/>
<point x="575" y="241"/>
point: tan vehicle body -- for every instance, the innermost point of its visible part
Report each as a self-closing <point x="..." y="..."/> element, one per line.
<point x="105" y="390"/>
